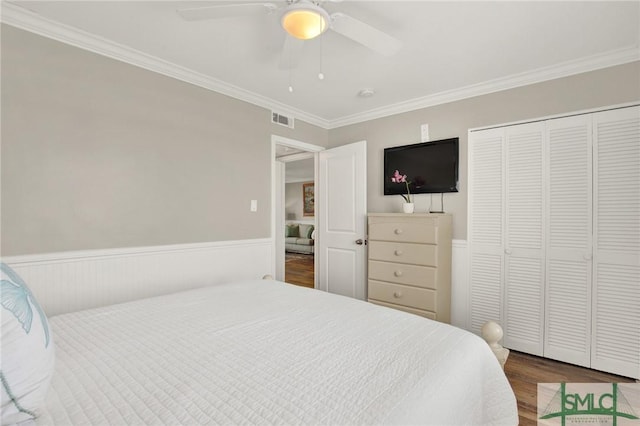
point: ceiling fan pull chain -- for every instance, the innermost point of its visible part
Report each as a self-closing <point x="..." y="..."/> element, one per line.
<point x="290" y="73"/>
<point x="321" y="74"/>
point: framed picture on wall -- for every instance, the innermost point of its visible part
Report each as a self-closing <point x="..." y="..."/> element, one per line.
<point x="308" y="199"/>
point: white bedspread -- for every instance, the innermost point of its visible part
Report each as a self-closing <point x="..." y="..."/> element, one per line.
<point x="264" y="352"/>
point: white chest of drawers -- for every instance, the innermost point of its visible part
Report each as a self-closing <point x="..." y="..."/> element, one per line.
<point x="410" y="263"/>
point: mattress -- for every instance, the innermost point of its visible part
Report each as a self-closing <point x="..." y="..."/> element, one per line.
<point x="265" y="352"/>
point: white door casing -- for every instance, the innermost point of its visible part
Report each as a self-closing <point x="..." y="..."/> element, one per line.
<point x="341" y="216"/>
<point x="280" y="171"/>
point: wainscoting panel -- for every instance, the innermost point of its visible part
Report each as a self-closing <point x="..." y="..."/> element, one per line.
<point x="459" y="284"/>
<point x="71" y="281"/>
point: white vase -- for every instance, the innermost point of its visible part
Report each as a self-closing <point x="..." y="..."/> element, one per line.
<point x="407" y="207"/>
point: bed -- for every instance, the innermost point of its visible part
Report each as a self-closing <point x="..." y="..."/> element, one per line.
<point x="265" y="352"/>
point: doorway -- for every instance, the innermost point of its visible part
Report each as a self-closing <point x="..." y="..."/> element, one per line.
<point x="299" y="212"/>
<point x="340" y="215"/>
<point x="294" y="211"/>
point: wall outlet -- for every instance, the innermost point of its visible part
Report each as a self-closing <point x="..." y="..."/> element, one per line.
<point x="254" y="205"/>
<point x="424" y="133"/>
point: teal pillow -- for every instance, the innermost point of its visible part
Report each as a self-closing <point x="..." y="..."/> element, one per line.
<point x="306" y="231"/>
<point x="27" y="350"/>
<point x="292" y="231"/>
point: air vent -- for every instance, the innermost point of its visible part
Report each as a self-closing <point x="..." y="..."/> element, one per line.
<point x="282" y="120"/>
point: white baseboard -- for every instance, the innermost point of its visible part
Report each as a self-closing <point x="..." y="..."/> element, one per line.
<point x="72" y="281"/>
<point x="459" y="283"/>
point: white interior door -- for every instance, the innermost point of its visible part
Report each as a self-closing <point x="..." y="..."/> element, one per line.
<point x="342" y="201"/>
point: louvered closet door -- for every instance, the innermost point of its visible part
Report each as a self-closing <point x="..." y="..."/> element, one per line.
<point x="569" y="228"/>
<point x="616" y="298"/>
<point x="524" y="265"/>
<point x="485" y="227"/>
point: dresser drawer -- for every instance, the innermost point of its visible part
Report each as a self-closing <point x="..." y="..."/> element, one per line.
<point x="426" y="314"/>
<point x="413" y="297"/>
<point x="408" y="232"/>
<point x="417" y="254"/>
<point x="420" y="276"/>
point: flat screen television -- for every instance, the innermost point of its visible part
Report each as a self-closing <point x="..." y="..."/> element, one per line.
<point x="431" y="167"/>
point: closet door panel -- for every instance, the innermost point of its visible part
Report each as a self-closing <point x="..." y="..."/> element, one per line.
<point x="616" y="319"/>
<point x="567" y="331"/>
<point x="569" y="247"/>
<point x="486" y="249"/>
<point x="616" y="304"/>
<point x="485" y="152"/>
<point x="524" y="266"/>
<point x="486" y="290"/>
<point x="523" y="306"/>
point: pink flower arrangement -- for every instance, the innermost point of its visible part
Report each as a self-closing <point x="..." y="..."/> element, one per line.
<point x="398" y="178"/>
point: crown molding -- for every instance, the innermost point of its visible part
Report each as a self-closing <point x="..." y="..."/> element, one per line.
<point x="24" y="19"/>
<point x="21" y="18"/>
<point x="565" y="69"/>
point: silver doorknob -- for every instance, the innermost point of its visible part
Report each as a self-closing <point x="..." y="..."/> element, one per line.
<point x="359" y="241"/>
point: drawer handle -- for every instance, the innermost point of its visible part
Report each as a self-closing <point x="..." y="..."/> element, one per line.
<point x="397" y="294"/>
<point x="398" y="231"/>
<point x="398" y="252"/>
<point x="398" y="273"/>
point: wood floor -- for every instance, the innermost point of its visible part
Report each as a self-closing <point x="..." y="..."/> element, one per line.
<point x="526" y="371"/>
<point x="298" y="269"/>
<point x="523" y="371"/>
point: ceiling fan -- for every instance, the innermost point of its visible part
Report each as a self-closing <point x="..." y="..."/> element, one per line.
<point x="302" y="20"/>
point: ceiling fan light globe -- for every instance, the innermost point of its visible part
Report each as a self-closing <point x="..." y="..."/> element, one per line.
<point x="305" y="21"/>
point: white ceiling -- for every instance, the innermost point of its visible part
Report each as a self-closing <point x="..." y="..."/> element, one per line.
<point x="451" y="49"/>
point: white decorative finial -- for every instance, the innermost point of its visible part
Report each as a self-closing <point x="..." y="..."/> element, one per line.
<point x="492" y="333"/>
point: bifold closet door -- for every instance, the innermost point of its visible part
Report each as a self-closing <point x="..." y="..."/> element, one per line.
<point x="568" y="240"/>
<point x="616" y="297"/>
<point x="486" y="251"/>
<point x="524" y="238"/>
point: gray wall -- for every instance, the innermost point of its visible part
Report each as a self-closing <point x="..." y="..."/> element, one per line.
<point x="605" y="87"/>
<point x="97" y="154"/>
<point x="101" y="154"/>
<point x="293" y="202"/>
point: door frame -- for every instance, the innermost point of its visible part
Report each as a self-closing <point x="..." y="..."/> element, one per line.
<point x="277" y="209"/>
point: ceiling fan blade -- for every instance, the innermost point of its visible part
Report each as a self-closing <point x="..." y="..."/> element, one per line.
<point x="365" y="34"/>
<point x="291" y="51"/>
<point x="226" y="11"/>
